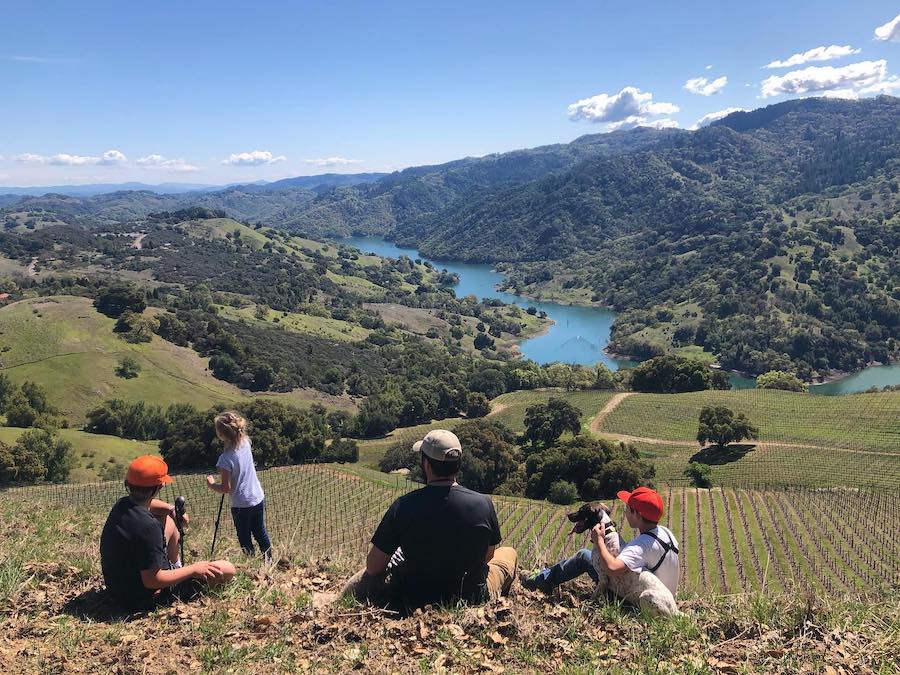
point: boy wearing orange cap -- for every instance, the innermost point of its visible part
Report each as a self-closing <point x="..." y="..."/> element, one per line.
<point x="139" y="545"/>
<point x="655" y="549"/>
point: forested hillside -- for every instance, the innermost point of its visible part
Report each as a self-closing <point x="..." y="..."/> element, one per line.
<point x="767" y="240"/>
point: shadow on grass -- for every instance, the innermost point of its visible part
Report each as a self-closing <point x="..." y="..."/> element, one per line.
<point x="715" y="454"/>
<point x="95" y="604"/>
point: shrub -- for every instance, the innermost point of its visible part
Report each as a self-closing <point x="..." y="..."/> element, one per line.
<point x="401" y="456"/>
<point x="780" y="379"/>
<point x="134" y="328"/>
<point x="546" y="422"/>
<point x="597" y="468"/>
<point x="341" y="450"/>
<point x="114" y="300"/>
<point x="671" y="374"/>
<point x="720" y="425"/>
<point x="137" y="421"/>
<point x="562" y="492"/>
<point x="37" y="456"/>
<point x="699" y="474"/>
<point x="280" y="435"/>
<point x="477" y="405"/>
<point x="488" y="457"/>
<point x="128" y="367"/>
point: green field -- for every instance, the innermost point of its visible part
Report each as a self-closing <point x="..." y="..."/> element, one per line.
<point x="326" y="327"/>
<point x="510" y="408"/>
<point x="92" y="451"/>
<point x="732" y="541"/>
<point x="65" y="345"/>
<point x="855" y="421"/>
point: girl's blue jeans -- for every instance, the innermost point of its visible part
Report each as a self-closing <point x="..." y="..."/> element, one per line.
<point x="250" y="523"/>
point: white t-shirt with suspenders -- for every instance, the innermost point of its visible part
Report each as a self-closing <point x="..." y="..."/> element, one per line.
<point x="654" y="551"/>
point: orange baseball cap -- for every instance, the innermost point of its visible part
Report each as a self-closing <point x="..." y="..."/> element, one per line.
<point x="148" y="471"/>
<point x="645" y="501"/>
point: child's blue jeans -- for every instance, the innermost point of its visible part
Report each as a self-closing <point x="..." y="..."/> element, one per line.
<point x="568" y="569"/>
<point x="249" y="521"/>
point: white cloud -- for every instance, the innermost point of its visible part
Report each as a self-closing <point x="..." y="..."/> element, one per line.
<point x="29" y="158"/>
<point x="665" y="123"/>
<point x="631" y="107"/>
<point x="704" y="87"/>
<point x="109" y="158"/>
<point x="254" y="158"/>
<point x="709" y="67"/>
<point x="815" y="54"/>
<point x="889" y="31"/>
<point x="865" y="77"/>
<point x="30" y="59"/>
<point x="332" y="161"/>
<point x="65" y="159"/>
<point x="708" y="118"/>
<point x="172" y="165"/>
<point x="113" y="157"/>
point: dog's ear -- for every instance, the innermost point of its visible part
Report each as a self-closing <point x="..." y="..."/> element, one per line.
<point x="579" y="514"/>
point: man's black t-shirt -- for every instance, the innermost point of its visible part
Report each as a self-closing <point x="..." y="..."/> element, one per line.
<point x="444" y="532"/>
<point x="132" y="540"/>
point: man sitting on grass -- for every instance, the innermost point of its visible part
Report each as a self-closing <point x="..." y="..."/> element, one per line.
<point x="139" y="545"/>
<point x="437" y="544"/>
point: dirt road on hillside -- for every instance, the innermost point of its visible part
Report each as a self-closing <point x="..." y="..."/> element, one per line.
<point x="608" y="408"/>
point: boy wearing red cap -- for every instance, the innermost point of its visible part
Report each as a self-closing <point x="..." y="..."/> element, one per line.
<point x="655" y="549"/>
<point x="139" y="545"/>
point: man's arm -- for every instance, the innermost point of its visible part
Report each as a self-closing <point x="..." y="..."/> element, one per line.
<point x="489" y="554"/>
<point x="160" y="578"/>
<point x="377" y="561"/>
<point x="612" y="565"/>
<point x="160" y="508"/>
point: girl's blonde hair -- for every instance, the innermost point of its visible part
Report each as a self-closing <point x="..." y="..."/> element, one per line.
<point x="231" y="427"/>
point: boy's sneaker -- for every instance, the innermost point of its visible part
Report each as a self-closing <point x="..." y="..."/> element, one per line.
<point x="534" y="581"/>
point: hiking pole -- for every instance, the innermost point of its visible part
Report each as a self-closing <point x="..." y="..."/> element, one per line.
<point x="216" y="531"/>
<point x="179" y="523"/>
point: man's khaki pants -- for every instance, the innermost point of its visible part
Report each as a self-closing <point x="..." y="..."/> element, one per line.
<point x="502" y="570"/>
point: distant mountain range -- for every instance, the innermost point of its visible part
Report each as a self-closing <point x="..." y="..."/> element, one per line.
<point x="767" y="240"/>
<point x="89" y="190"/>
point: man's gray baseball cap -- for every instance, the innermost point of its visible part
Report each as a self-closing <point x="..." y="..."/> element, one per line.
<point x="440" y="445"/>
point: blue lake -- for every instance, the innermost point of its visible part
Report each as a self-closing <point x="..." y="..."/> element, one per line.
<point x="580" y="334"/>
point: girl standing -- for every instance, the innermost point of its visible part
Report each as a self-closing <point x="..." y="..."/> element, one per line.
<point x="238" y="479"/>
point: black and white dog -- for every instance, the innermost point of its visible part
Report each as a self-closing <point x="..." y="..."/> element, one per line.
<point x="644" y="590"/>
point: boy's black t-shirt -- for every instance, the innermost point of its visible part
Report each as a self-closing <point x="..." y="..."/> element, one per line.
<point x="132" y="540"/>
<point x="444" y="532"/>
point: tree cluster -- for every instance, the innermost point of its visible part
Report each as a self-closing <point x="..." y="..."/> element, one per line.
<point x="37" y="456"/>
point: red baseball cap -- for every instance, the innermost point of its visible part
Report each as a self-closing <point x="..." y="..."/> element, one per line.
<point x="148" y="471"/>
<point x="645" y="501"/>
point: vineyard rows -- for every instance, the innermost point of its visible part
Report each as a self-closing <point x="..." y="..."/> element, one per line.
<point x="731" y="540"/>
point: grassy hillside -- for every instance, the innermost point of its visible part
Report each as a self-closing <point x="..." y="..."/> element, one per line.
<point x="64" y="344"/>
<point x="856" y="421"/>
<point x="93" y="451"/>
<point x="740" y="557"/>
<point x="805" y="440"/>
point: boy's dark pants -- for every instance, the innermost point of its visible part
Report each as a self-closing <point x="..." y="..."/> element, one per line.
<point x="251" y="521"/>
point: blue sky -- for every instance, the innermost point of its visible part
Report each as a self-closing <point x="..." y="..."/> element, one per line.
<point x="217" y="92"/>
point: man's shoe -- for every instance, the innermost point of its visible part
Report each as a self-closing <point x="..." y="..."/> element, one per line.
<point x="534" y="581"/>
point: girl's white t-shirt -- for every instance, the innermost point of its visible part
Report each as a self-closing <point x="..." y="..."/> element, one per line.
<point x="246" y="490"/>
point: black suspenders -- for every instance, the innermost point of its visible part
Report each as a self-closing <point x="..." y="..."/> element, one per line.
<point x="668" y="546"/>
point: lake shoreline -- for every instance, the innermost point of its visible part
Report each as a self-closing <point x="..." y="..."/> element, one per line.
<point x="579" y="333"/>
